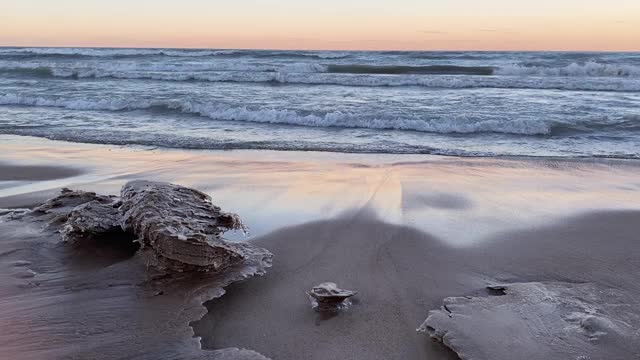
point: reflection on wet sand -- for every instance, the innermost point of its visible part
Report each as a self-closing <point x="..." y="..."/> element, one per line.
<point x="276" y="189"/>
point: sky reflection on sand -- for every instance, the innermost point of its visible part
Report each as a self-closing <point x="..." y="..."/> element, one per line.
<point x="457" y="200"/>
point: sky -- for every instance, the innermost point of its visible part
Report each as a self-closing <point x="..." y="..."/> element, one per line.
<point x="328" y="24"/>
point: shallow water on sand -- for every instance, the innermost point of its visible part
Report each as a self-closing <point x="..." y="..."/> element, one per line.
<point x="271" y="190"/>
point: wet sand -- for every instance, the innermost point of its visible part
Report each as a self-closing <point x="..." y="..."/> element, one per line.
<point x="404" y="231"/>
<point x="13" y="172"/>
<point x="401" y="274"/>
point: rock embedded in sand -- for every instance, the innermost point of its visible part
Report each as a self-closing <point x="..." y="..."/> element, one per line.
<point x="68" y="199"/>
<point x="178" y="227"/>
<point x="540" y="321"/>
<point x="58" y="209"/>
<point x="327" y="297"/>
<point x="112" y="295"/>
<point x="92" y="219"/>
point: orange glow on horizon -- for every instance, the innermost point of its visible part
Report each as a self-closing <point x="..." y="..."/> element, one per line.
<point x="397" y="29"/>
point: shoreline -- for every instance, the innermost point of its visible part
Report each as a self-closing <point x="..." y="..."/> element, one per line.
<point x="404" y="231"/>
<point x="30" y="141"/>
<point x="423" y="191"/>
<point x="337" y="151"/>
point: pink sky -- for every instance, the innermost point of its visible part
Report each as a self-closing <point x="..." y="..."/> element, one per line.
<point x="331" y="24"/>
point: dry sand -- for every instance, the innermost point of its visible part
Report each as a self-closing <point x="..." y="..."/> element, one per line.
<point x="405" y="232"/>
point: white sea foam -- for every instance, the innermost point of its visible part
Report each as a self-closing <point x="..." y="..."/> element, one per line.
<point x="73" y="104"/>
<point x="588" y="69"/>
<point x="225" y="112"/>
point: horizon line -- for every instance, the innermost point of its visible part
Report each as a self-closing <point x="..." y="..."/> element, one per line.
<point x="316" y="49"/>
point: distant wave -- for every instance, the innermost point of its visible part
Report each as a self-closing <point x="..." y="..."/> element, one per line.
<point x="583" y="65"/>
<point x="293" y="54"/>
<point x="399" y="70"/>
<point x="122" y="52"/>
<point x="132" y="66"/>
<point x="225" y="112"/>
<point x="38" y="71"/>
<point x="98" y="52"/>
<point x="588" y="69"/>
<point x="299" y="76"/>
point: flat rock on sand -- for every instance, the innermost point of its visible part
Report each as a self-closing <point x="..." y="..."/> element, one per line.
<point x="540" y="321"/>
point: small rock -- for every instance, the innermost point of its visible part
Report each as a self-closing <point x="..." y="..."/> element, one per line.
<point x="327" y="297"/>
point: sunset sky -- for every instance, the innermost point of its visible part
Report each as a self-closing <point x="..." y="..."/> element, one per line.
<point x="328" y="24"/>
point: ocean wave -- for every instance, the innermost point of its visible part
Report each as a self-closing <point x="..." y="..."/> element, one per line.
<point x="74" y="104"/>
<point x="401" y="70"/>
<point x="293" y="54"/>
<point x="626" y="124"/>
<point x="79" y="67"/>
<point x="124" y="52"/>
<point x="299" y="76"/>
<point x="584" y="65"/>
<point x="114" y="52"/>
<point x="37" y="71"/>
<point x="588" y="69"/>
<point x="225" y="112"/>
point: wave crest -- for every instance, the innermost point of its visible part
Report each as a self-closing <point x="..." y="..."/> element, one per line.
<point x="588" y="69"/>
<point x="223" y="112"/>
<point x="299" y="76"/>
<point x="124" y="52"/>
<point x="399" y="70"/>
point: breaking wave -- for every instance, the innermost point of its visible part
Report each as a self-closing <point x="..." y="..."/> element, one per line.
<point x="311" y="74"/>
<point x="80" y="68"/>
<point x="588" y="69"/>
<point x="224" y="112"/>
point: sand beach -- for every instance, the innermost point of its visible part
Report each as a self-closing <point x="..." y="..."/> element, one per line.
<point x="405" y="232"/>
